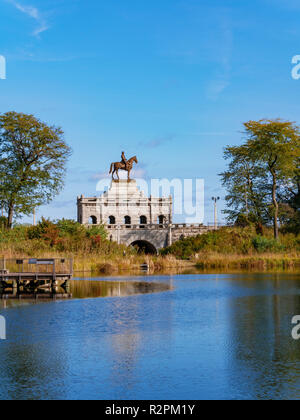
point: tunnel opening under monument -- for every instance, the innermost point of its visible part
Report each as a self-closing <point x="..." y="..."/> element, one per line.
<point x="144" y="247"/>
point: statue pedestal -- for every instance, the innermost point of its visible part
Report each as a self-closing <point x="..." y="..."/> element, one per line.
<point x="124" y="190"/>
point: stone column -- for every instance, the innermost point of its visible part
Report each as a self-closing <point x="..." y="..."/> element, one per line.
<point x="170" y="239"/>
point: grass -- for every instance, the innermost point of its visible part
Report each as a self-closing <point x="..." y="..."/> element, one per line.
<point x="91" y="250"/>
<point x="97" y="263"/>
<point x="263" y="262"/>
<point x="226" y="249"/>
<point x="239" y="248"/>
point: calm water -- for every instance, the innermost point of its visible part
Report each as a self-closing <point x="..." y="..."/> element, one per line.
<point x="198" y="336"/>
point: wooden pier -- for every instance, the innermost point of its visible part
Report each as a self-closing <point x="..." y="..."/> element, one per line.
<point x="34" y="278"/>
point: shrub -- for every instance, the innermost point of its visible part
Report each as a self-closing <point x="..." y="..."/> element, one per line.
<point x="263" y="244"/>
<point x="37" y="232"/>
<point x="70" y="228"/>
<point x="96" y="231"/>
<point x="3" y="223"/>
<point x="227" y="241"/>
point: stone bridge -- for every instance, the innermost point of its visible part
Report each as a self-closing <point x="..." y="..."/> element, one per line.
<point x="152" y="238"/>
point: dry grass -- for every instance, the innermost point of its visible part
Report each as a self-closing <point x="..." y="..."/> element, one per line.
<point x="227" y="249"/>
<point x="96" y="263"/>
<point x="262" y="262"/>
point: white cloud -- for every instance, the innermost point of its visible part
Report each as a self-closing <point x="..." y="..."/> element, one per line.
<point x="222" y="77"/>
<point x="216" y="87"/>
<point x="33" y="13"/>
<point x="157" y="142"/>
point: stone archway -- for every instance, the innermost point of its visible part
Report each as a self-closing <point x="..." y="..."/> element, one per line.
<point x="144" y="247"/>
<point x="127" y="220"/>
<point x="143" y="220"/>
<point x="111" y="220"/>
<point x="92" y="220"/>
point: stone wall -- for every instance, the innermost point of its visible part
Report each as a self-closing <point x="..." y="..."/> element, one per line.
<point x="131" y="217"/>
<point x="158" y="236"/>
<point x="124" y="200"/>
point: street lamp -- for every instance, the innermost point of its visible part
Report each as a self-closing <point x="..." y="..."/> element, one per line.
<point x="215" y="200"/>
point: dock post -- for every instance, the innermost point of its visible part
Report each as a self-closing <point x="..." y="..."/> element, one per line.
<point x="68" y="286"/>
<point x="14" y="287"/>
<point x="54" y="279"/>
<point x="71" y="266"/>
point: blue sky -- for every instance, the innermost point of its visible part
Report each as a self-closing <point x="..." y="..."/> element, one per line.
<point x="171" y="81"/>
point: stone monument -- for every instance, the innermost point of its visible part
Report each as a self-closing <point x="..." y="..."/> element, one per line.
<point x="124" y="203"/>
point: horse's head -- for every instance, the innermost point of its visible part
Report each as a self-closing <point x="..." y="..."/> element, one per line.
<point x="134" y="159"/>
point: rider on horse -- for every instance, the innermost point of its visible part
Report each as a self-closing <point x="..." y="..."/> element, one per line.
<point x="124" y="160"/>
<point x="125" y="165"/>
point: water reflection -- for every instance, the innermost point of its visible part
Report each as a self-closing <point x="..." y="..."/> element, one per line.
<point x="92" y="289"/>
<point x="260" y="328"/>
<point x="211" y="336"/>
<point x="83" y="289"/>
<point x="139" y="324"/>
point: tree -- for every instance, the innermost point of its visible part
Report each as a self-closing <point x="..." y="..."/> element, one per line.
<point x="262" y="172"/>
<point x="244" y="181"/>
<point x="292" y="206"/>
<point x="33" y="159"/>
<point x="275" y="147"/>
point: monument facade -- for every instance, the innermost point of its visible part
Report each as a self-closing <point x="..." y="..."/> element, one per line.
<point x="124" y="204"/>
<point x="130" y="217"/>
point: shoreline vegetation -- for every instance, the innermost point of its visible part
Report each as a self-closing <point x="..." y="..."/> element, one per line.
<point x="262" y="180"/>
<point x="239" y="248"/>
<point x="230" y="248"/>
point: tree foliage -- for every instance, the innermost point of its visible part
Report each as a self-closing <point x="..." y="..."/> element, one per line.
<point x="262" y="179"/>
<point x="245" y="185"/>
<point x="33" y="159"/>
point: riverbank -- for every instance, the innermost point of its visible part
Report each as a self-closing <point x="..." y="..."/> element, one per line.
<point x="97" y="263"/>
<point x="112" y="265"/>
<point x="262" y="262"/>
<point x="239" y="248"/>
<point x="223" y="250"/>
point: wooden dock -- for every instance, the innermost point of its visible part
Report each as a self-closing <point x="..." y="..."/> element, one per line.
<point x="34" y="278"/>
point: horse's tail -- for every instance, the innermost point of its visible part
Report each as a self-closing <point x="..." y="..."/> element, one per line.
<point x="111" y="168"/>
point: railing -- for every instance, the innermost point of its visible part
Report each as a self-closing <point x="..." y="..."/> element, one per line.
<point x="37" y="265"/>
<point x="135" y="227"/>
<point x="209" y="226"/>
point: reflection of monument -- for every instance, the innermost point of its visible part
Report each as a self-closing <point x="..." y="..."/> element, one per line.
<point x="124" y="204"/>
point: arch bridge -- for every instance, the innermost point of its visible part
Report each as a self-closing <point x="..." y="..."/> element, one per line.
<point x="151" y="238"/>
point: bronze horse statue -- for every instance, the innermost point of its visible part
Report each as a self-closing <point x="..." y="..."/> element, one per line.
<point x="116" y="166"/>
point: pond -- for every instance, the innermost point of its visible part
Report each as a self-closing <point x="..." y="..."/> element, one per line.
<point x="200" y="336"/>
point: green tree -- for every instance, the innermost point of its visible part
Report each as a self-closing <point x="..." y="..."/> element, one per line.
<point x="275" y="148"/>
<point x="262" y="171"/>
<point x="244" y="182"/>
<point x="292" y="206"/>
<point x="33" y="159"/>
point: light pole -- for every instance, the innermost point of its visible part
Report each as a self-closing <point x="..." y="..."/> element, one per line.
<point x="215" y="200"/>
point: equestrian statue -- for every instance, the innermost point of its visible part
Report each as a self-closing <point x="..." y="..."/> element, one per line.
<point x="124" y="165"/>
